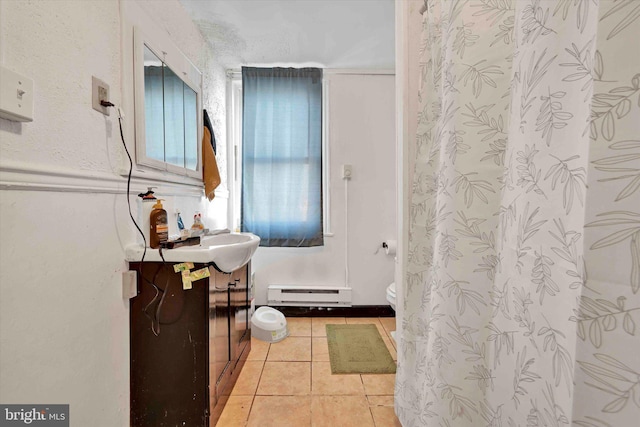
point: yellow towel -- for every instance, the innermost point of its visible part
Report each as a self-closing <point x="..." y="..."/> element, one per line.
<point x="210" y="171"/>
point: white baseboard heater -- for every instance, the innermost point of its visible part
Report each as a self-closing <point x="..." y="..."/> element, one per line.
<point x="308" y="296"/>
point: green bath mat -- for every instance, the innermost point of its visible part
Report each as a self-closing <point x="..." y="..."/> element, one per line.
<point x="358" y="349"/>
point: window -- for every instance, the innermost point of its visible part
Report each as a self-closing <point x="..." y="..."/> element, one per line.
<point x="282" y="156"/>
<point x="168" y="102"/>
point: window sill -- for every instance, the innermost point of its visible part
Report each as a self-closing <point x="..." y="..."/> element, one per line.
<point x="141" y="173"/>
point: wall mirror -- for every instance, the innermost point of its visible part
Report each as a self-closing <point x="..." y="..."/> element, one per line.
<point x="168" y="104"/>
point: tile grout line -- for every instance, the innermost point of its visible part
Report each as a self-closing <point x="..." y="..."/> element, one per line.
<point x="373" y="419"/>
<point x="311" y="376"/>
<point x="255" y="392"/>
<point x="253" y="398"/>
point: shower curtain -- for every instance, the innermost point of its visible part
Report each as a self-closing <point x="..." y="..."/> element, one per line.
<point x="521" y="291"/>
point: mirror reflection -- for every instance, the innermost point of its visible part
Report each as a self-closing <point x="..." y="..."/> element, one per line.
<point x="170" y="115"/>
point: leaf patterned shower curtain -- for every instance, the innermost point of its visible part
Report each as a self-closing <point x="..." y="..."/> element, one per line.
<point x="522" y="303"/>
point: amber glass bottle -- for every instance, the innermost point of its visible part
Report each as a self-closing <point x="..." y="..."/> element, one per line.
<point x="159" y="231"/>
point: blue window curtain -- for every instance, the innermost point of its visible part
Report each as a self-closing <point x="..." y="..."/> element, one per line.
<point x="282" y="155"/>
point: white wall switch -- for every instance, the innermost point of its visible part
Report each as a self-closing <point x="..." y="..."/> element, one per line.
<point x="347" y="171"/>
<point x="129" y="284"/>
<point x="16" y="96"/>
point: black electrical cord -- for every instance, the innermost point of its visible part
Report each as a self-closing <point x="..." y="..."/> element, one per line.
<point x="146" y="308"/>
<point x="155" y="319"/>
<point x="144" y="239"/>
<point x="124" y="144"/>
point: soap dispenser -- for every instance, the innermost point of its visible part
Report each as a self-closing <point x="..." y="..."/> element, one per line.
<point x="147" y="201"/>
<point x="159" y="226"/>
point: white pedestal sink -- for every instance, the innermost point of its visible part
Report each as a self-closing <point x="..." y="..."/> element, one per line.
<point x="228" y="251"/>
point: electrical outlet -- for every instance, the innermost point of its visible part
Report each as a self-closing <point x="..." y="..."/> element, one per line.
<point x="103" y="93"/>
<point x="99" y="92"/>
<point x="347" y="171"/>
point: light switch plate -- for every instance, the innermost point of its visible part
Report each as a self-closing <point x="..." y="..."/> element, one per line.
<point x="16" y="96"/>
<point x="129" y="284"/>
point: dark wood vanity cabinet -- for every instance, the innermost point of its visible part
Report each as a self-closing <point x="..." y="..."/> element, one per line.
<point x="187" y="346"/>
<point x="230" y="336"/>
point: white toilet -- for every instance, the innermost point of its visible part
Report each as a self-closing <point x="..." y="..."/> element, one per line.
<point x="391" y="295"/>
<point x="268" y="324"/>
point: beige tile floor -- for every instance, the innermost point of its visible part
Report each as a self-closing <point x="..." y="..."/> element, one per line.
<point x="289" y="384"/>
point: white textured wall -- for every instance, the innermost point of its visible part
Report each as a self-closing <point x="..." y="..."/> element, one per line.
<point x="60" y="45"/>
<point x="362" y="133"/>
<point x="63" y="219"/>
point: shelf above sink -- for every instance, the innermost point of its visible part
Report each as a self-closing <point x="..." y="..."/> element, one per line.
<point x="228" y="251"/>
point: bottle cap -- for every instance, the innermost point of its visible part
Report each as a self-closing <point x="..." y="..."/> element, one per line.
<point x="158" y="204"/>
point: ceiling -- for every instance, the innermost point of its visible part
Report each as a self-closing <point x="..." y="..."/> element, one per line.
<point x="325" y="33"/>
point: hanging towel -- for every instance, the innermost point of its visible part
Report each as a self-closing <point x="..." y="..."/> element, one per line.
<point x="207" y="123"/>
<point x="210" y="172"/>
